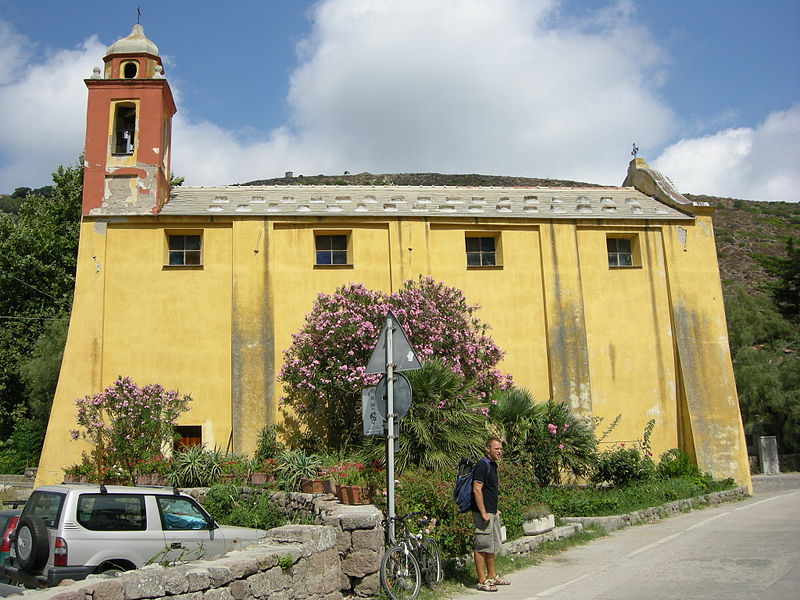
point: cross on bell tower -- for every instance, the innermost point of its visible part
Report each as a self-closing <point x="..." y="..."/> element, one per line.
<point x="128" y="130"/>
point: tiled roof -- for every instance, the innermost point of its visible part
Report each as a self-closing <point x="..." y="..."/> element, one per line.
<point x="431" y="201"/>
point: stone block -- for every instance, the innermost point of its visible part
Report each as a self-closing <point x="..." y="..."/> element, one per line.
<point x="219" y="575"/>
<point x="360" y="563"/>
<point x="368" y="586"/>
<point x="367" y="539"/>
<point x="175" y="581"/>
<point x="197" y="579"/>
<point x="239" y="589"/>
<point x="190" y="596"/>
<point x="365" y="517"/>
<point x="344" y="541"/>
<point x="143" y="583"/>
<point x="109" y="589"/>
<point x="218" y="594"/>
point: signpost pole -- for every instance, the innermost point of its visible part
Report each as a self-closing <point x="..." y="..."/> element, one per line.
<point x="390" y="429"/>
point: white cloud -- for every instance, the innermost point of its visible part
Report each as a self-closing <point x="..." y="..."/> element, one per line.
<point x="510" y="87"/>
<point x="453" y="86"/>
<point x="761" y="163"/>
<point x="43" y="107"/>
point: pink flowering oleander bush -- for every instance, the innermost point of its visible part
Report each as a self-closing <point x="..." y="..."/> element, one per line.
<point x="324" y="367"/>
<point x="127" y="424"/>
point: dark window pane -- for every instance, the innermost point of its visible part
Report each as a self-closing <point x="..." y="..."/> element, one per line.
<point x="175" y="257"/>
<point x="473" y="244"/>
<point x="322" y="242"/>
<point x="192" y="242"/>
<point x="473" y="259"/>
<point x="488" y="259"/>
<point x="339" y="242"/>
<point x="612" y="260"/>
<point x="623" y="245"/>
<point x="323" y="257"/>
<point x="625" y="260"/>
<point x="611" y="244"/>
<point x="176" y="242"/>
<point x="192" y="257"/>
<point x="487" y="244"/>
<point x="339" y="258"/>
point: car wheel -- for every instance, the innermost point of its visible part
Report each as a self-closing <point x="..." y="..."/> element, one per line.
<point x="32" y="543"/>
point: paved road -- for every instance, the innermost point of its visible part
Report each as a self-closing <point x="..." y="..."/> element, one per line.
<point x="743" y="550"/>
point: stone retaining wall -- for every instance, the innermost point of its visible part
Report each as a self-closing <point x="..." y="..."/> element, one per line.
<point x="359" y="535"/>
<point x="295" y="562"/>
<point x="658" y="512"/>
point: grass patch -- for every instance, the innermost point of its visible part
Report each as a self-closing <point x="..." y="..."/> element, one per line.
<point x="594" y="502"/>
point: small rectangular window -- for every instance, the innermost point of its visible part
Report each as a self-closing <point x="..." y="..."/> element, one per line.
<point x="623" y="250"/>
<point x="331" y="249"/>
<point x="481" y="251"/>
<point x="184" y="250"/>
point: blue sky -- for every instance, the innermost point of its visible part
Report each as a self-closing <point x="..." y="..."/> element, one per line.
<point x="709" y="89"/>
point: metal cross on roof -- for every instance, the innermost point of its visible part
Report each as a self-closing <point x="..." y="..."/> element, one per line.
<point x="635" y="150"/>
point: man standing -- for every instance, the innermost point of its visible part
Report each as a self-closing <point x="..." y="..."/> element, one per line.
<point x="485" y="485"/>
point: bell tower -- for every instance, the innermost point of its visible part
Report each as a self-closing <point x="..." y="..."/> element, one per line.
<point x="128" y="129"/>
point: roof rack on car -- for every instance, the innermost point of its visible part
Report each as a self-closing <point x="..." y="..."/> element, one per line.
<point x="14" y="503"/>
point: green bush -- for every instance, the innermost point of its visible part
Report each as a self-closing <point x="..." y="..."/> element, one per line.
<point x="268" y="445"/>
<point x="674" y="463"/>
<point x="622" y="466"/>
<point x="228" y="505"/>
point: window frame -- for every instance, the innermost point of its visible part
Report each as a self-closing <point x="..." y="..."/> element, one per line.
<point x="496" y="253"/>
<point x="169" y="234"/>
<point x="347" y="250"/>
<point x="633" y="250"/>
<point x="128" y="105"/>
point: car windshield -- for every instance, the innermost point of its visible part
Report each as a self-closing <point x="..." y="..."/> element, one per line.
<point x="46" y="505"/>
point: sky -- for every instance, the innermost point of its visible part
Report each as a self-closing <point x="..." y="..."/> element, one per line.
<point x="709" y="90"/>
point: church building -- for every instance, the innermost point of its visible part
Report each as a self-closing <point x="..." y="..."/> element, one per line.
<point x="608" y="298"/>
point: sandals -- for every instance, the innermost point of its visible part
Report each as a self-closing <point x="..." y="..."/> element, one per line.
<point x="487" y="586"/>
<point x="500" y="581"/>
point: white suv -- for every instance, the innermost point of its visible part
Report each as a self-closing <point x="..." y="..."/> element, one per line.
<point x="71" y="531"/>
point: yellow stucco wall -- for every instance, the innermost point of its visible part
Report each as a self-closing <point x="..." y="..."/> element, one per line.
<point x="645" y="342"/>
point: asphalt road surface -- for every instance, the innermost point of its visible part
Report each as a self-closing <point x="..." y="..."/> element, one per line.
<point x="742" y="550"/>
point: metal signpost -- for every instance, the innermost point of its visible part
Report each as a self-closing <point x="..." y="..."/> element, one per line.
<point x="392" y="353"/>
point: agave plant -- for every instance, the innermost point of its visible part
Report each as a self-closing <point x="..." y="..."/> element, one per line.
<point x="294" y="465"/>
<point x="196" y="466"/>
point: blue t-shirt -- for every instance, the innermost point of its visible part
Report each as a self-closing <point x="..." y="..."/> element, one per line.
<point x="486" y="472"/>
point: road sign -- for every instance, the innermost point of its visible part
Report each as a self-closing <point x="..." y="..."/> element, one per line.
<point x="403" y="355"/>
<point x="402" y="396"/>
<point x="373" y="420"/>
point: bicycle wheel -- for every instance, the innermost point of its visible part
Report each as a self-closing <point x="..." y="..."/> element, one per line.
<point x="431" y="563"/>
<point x="400" y="574"/>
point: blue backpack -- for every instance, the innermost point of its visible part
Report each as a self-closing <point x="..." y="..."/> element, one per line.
<point x="462" y="492"/>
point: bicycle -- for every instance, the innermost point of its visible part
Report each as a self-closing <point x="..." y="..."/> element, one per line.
<point x="414" y="558"/>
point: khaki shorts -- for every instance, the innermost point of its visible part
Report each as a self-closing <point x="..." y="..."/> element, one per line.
<point x="487" y="533"/>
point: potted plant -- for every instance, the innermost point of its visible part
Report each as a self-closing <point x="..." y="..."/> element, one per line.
<point x="294" y="465"/>
<point x="538" y="518"/>
<point x="356" y="483"/>
<point x="235" y="468"/>
<point x="263" y="472"/>
<point x="77" y="473"/>
<point x="152" y="471"/>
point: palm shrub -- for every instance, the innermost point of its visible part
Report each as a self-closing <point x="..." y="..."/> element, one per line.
<point x="446" y="420"/>
<point x="561" y="442"/>
<point x="512" y="416"/>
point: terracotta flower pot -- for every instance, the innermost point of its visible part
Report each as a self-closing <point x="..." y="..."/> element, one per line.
<point x="343" y="494"/>
<point x="355" y="494"/>
<point x="259" y="478"/>
<point x="329" y="486"/>
<point x="312" y="486"/>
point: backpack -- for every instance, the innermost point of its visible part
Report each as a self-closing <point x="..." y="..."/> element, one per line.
<point x="462" y="492"/>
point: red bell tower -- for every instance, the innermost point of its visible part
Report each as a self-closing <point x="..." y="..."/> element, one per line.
<point x="128" y="129"/>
